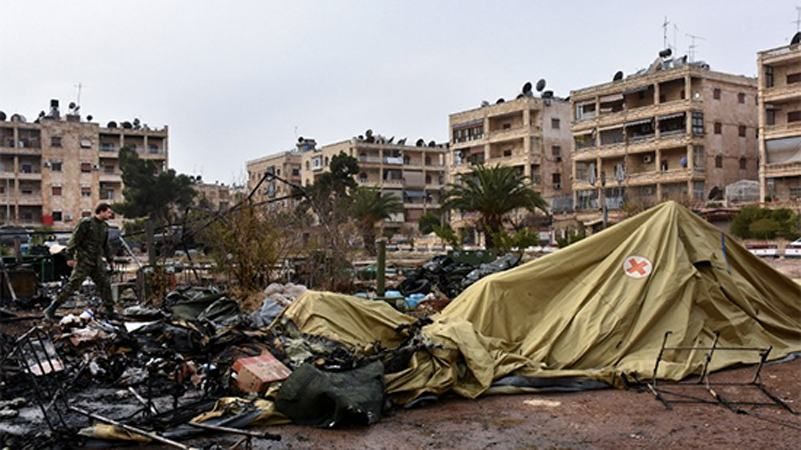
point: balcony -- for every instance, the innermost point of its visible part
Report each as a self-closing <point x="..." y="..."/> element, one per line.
<point x="629" y="115"/>
<point x="393" y="160"/>
<point x="369" y="160"/>
<point x="106" y="177"/>
<point x="781" y="93"/>
<point x="33" y="199"/>
<point x="32" y="175"/>
<point x="792" y="169"/>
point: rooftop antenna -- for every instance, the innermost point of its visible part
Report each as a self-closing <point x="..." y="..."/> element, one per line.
<point x="296" y="132"/>
<point x="693" y="45"/>
<point x="79" y="87"/>
<point x="797" y="21"/>
<point x="665" y="33"/>
<point x="675" y="30"/>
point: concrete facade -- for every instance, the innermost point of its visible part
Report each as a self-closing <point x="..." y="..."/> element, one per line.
<point x="416" y="174"/>
<point x="219" y="197"/>
<point x="675" y="131"/>
<point x="286" y="165"/>
<point x="55" y="170"/>
<point x="779" y="71"/>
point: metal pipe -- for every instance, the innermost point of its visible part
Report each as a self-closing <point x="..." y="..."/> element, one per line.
<point x="138" y="431"/>
<point x="381" y="264"/>
<point x="257" y="434"/>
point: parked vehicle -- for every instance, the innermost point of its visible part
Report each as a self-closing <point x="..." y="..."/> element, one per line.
<point x="793" y="249"/>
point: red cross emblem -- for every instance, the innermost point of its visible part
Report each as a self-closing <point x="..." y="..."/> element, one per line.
<point x="637" y="267"/>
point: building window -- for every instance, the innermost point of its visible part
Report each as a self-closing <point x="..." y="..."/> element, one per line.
<point x="26" y="168"/>
<point x="555" y="123"/>
<point x="86" y="192"/>
<point x="86" y="143"/>
<point x="793" y="78"/>
<point x="295" y="172"/>
<point x="741" y="131"/>
<point x="86" y="167"/>
<point x="86" y="214"/>
<point x="718" y="128"/>
<point x="308" y="165"/>
<point x="57" y="217"/>
<point x="698" y="123"/>
<point x="740" y="97"/>
<point x="743" y="163"/>
<point x="718" y="161"/>
<point x="794" y="116"/>
<point x="26" y="190"/>
<point x="770" y="116"/>
<point x="55" y="166"/>
<point x="556" y="152"/>
<point x="55" y="141"/>
<point x="768" y="76"/>
<point x="507" y="152"/>
<point x="716" y="94"/>
<point x="557" y="181"/>
<point x="56" y="190"/>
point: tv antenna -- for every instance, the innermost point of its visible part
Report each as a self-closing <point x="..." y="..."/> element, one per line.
<point x="693" y="46"/>
<point x="797" y="21"/>
<point x="665" y="32"/>
<point x="79" y="87"/>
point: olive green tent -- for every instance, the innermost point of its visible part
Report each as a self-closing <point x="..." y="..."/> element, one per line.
<point x="597" y="310"/>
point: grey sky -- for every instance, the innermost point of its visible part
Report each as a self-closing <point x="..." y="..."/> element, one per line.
<point x="235" y="79"/>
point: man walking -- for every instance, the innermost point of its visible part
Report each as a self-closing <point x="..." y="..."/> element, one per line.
<point x="85" y="251"/>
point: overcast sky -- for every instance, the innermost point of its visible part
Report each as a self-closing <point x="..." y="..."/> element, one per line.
<point x="237" y="80"/>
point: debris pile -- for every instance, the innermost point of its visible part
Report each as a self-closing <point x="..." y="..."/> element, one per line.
<point x="451" y="275"/>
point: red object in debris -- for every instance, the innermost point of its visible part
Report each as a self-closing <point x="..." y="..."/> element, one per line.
<point x="254" y="374"/>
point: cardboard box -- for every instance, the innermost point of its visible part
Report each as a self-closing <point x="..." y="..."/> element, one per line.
<point x="255" y="374"/>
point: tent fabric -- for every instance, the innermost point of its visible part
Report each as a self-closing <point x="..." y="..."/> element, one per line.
<point x="581" y="314"/>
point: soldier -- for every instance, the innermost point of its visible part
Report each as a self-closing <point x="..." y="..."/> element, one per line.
<point x="87" y="247"/>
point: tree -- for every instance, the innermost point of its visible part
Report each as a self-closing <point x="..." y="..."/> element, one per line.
<point x="493" y="192"/>
<point x="753" y="222"/>
<point x="428" y="221"/>
<point x="152" y="193"/>
<point x="369" y="207"/>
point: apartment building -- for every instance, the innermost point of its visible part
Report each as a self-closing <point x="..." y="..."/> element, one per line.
<point x="676" y="130"/>
<point x="217" y="196"/>
<point x="53" y="171"/>
<point x="415" y="174"/>
<point x="286" y="165"/>
<point x="779" y="72"/>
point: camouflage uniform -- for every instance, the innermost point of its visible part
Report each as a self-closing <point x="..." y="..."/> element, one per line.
<point x="87" y="246"/>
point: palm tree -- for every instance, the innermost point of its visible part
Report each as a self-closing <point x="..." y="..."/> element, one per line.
<point x="369" y="207"/>
<point x="492" y="192"/>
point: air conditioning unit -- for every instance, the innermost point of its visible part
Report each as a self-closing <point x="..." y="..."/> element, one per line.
<point x="647" y="159"/>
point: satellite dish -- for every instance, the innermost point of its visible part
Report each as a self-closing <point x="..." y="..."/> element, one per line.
<point x="137" y="124"/>
<point x="484" y="103"/>
<point x="432" y="144"/>
<point x="72" y="105"/>
<point x="420" y="143"/>
<point x="665" y="53"/>
<point x="2" y="116"/>
<point x="127" y="125"/>
<point x="391" y="139"/>
<point x="527" y="88"/>
<point x="591" y="177"/>
<point x="89" y="118"/>
<point x="499" y="101"/>
<point x="300" y="139"/>
<point x="368" y="133"/>
<point x="402" y="141"/>
<point x="618" y="76"/>
<point x="540" y="85"/>
<point x="41" y="114"/>
<point x="18" y="118"/>
<point x="111" y="124"/>
<point x="547" y="94"/>
<point x="519" y="96"/>
<point x="796" y="39"/>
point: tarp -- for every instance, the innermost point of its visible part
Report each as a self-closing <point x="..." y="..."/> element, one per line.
<point x="596" y="310"/>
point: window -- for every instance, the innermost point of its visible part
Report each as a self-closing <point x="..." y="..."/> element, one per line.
<point x="718" y="128"/>
<point x="741" y="131"/>
<point x="26" y="168"/>
<point x="57" y="216"/>
<point x="507" y="152"/>
<point x="108" y="168"/>
<point x="153" y="149"/>
<point x="743" y="163"/>
<point x="718" y="161"/>
<point x="86" y="167"/>
<point x="716" y="94"/>
<point x="56" y="190"/>
<point x="506" y="126"/>
<point x="296" y="172"/>
<point x="55" y="141"/>
<point x="793" y="78"/>
<point x="740" y="97"/>
<point x="86" y="191"/>
<point x="555" y="123"/>
<point x="556" y="152"/>
<point x="308" y="165"/>
<point x="663" y="166"/>
<point x="26" y="190"/>
<point x="794" y="116"/>
<point x="698" y="123"/>
<point x="557" y="181"/>
<point x="86" y="143"/>
<point x="55" y="166"/>
<point x="770" y="117"/>
<point x="86" y="214"/>
<point x="768" y="76"/>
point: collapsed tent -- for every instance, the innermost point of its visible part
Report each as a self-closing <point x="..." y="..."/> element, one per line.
<point x="595" y="311"/>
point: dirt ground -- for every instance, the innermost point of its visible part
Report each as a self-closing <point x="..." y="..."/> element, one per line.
<point x="594" y="419"/>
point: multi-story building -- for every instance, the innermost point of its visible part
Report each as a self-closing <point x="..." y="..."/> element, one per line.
<point x="676" y="130"/>
<point x="55" y="170"/>
<point x="529" y="133"/>
<point x="779" y="71"/>
<point x="286" y="165"/>
<point x="216" y="196"/>
<point x="415" y="174"/>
